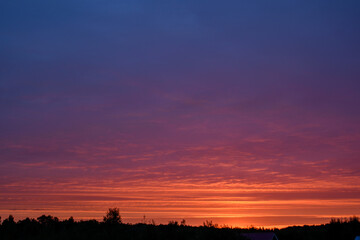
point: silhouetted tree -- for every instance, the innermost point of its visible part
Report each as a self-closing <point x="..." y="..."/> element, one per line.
<point x="43" y="219"/>
<point x="144" y="219"/>
<point x="210" y="224"/>
<point x="8" y="221"/>
<point x="183" y="222"/>
<point x="173" y="223"/>
<point x="113" y="216"/>
<point x="71" y="219"/>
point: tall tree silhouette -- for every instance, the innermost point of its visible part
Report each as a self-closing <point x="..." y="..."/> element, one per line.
<point x="112" y="216"/>
<point x="8" y="221"/>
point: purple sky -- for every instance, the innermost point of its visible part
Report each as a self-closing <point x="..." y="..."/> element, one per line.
<point x="181" y="109"/>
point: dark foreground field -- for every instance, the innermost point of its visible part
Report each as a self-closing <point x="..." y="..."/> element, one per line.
<point x="48" y="227"/>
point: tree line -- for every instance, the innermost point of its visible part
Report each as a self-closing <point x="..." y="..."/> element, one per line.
<point x="112" y="227"/>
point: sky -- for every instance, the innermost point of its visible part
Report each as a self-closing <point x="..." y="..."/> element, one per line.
<point x="240" y="112"/>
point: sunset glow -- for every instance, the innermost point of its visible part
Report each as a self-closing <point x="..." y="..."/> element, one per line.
<point x="242" y="113"/>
